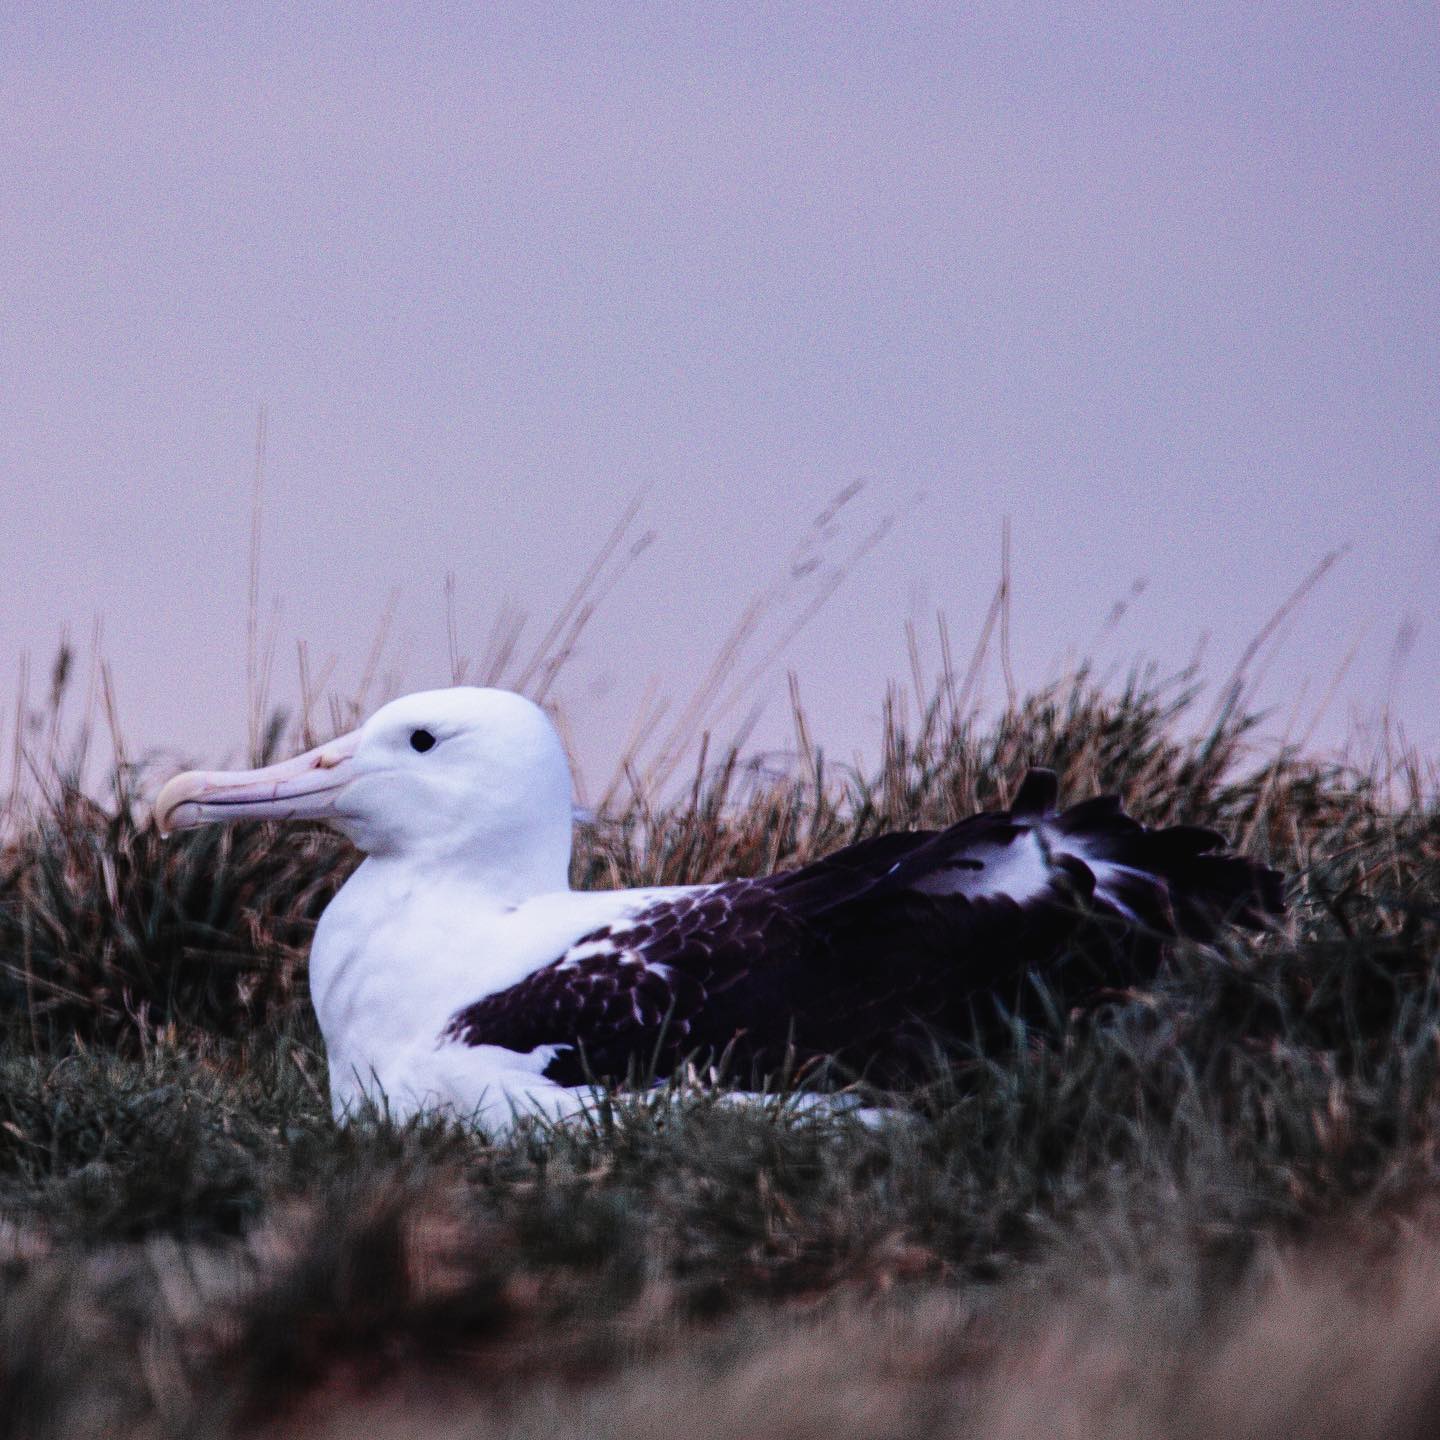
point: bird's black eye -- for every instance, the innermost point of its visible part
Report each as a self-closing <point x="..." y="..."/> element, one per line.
<point x="421" y="740"/>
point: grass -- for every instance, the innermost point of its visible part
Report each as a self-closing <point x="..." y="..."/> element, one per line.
<point x="1208" y="1208"/>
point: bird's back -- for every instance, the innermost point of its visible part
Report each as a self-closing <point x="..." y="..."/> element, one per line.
<point x="866" y="953"/>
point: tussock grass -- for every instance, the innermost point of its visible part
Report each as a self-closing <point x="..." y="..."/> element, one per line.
<point x="1199" y="1209"/>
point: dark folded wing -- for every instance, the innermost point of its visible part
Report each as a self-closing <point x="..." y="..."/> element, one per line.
<point x="684" y="973"/>
<point x="852" y="954"/>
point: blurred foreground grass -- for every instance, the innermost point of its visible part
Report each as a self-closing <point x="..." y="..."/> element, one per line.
<point x="1208" y="1208"/>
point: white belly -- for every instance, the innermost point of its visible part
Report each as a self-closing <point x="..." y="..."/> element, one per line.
<point x="396" y="956"/>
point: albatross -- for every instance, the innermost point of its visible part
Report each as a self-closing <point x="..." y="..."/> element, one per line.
<point x="456" y="967"/>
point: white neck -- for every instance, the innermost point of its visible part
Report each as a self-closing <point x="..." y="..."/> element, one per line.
<point x="505" y="875"/>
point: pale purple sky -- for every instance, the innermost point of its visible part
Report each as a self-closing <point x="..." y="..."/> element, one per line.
<point x="1160" y="284"/>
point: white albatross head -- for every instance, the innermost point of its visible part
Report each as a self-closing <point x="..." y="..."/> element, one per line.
<point x="471" y="778"/>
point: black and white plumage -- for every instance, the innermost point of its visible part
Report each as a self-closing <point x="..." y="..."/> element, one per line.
<point x="870" y="952"/>
<point x="457" y="968"/>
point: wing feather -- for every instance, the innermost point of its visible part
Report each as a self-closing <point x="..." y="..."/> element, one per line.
<point x="854" y="954"/>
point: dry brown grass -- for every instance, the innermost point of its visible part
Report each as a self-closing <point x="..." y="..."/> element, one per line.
<point x="410" y="1324"/>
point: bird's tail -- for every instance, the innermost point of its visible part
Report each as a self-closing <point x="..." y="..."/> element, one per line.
<point x="1178" y="881"/>
<point x="1060" y="908"/>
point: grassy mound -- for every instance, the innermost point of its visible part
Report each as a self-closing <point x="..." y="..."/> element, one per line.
<point x="1173" y="1215"/>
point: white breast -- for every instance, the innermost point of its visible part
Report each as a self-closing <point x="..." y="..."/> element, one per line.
<point x="398" y="952"/>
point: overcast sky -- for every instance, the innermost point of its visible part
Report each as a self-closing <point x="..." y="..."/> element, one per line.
<point x="1158" y="284"/>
